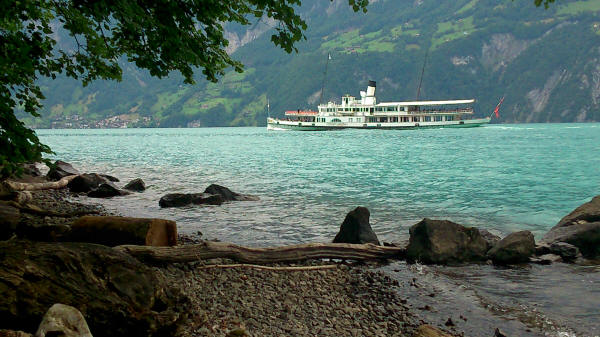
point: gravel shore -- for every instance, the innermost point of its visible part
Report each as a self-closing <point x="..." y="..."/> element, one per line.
<point x="348" y="300"/>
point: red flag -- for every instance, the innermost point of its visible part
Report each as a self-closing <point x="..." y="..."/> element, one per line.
<point x="498" y="108"/>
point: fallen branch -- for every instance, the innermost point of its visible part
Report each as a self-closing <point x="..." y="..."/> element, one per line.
<point x="211" y="250"/>
<point x="256" y="266"/>
<point x="17" y="186"/>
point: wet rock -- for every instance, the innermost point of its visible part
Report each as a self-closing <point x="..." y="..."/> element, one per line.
<point x="490" y="239"/>
<point x="566" y="251"/>
<point x="515" y="248"/>
<point x="175" y="200"/>
<point x="60" y="170"/>
<point x="542" y="248"/>
<point x="121" y="296"/>
<point x="429" y="331"/>
<point x="229" y="195"/>
<point x="585" y="236"/>
<point x="106" y="190"/>
<point x="356" y="228"/>
<point x="588" y="212"/>
<point x="136" y="185"/>
<point x="443" y="241"/>
<point x="63" y="320"/>
<point x="449" y="322"/>
<point x="9" y="219"/>
<point x="110" y="178"/>
<point x="184" y="199"/>
<point x="86" y="182"/>
<point x="117" y="230"/>
<point x="546" y="259"/>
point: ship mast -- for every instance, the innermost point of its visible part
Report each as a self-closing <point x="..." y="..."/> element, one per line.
<point x="422" y="72"/>
<point x="324" y="77"/>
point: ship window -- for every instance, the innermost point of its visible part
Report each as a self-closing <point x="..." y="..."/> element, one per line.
<point x="415" y="119"/>
<point x="449" y="118"/>
<point x="427" y="118"/>
<point x="336" y="120"/>
<point x="438" y="118"/>
<point x="379" y="109"/>
<point x="391" y="108"/>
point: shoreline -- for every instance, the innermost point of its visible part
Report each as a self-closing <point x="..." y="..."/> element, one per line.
<point x="389" y="294"/>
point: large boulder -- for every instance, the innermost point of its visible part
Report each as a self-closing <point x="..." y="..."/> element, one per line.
<point x="229" y="195"/>
<point x="356" y="228"/>
<point x="184" y="199"/>
<point x="515" y="248"/>
<point x="63" y="320"/>
<point x="86" y="182"/>
<point x="443" y="241"/>
<point x="117" y="294"/>
<point x="588" y="212"/>
<point x="580" y="228"/>
<point x="118" y="230"/>
<point x="583" y="235"/>
<point x="106" y="190"/>
<point x="61" y="169"/>
<point x="136" y="185"/>
<point x="9" y="219"/>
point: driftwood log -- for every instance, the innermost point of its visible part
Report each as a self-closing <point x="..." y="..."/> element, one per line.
<point x="17" y="186"/>
<point x="119" y="230"/>
<point x="294" y="253"/>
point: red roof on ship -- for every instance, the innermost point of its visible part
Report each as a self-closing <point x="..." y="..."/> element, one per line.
<point x="301" y="113"/>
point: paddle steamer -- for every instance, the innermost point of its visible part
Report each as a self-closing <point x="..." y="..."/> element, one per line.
<point x="366" y="113"/>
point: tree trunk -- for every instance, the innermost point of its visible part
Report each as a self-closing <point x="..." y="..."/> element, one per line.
<point x="17" y="186"/>
<point x="210" y="250"/>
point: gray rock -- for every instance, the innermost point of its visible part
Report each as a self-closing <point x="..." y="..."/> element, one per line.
<point x="515" y="248"/>
<point x="356" y="228"/>
<point x="184" y="199"/>
<point x="490" y="239"/>
<point x="229" y="195"/>
<point x="60" y="170"/>
<point x="106" y="190"/>
<point x="63" y="320"/>
<point x="175" y="200"/>
<point x="443" y="241"/>
<point x="588" y="212"/>
<point x="86" y="182"/>
<point x="566" y="251"/>
<point x="585" y="236"/>
<point x="136" y="185"/>
<point x="9" y="219"/>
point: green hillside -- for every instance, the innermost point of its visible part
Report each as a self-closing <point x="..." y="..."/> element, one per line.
<point x="546" y="63"/>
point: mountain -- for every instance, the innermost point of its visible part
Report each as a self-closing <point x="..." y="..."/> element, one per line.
<point x="545" y="62"/>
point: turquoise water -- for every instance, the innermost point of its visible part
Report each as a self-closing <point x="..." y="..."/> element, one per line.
<point x="500" y="177"/>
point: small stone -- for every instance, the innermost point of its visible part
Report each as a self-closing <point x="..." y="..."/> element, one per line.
<point x="63" y="320"/>
<point x="449" y="322"/>
<point x="136" y="185"/>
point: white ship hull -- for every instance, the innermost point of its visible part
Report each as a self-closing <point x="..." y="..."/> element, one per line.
<point x="280" y="125"/>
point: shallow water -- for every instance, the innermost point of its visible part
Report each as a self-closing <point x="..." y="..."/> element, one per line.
<point x="500" y="177"/>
